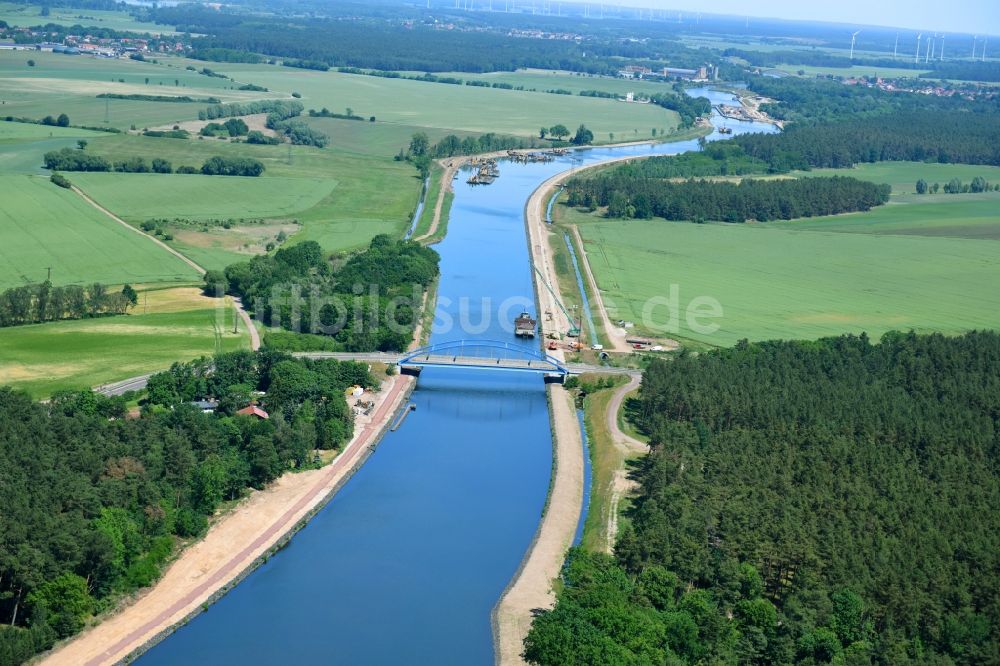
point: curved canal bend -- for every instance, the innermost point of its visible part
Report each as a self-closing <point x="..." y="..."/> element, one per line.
<point x="406" y="562"/>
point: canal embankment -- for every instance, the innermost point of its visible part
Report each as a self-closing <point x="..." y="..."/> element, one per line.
<point x="234" y="546"/>
<point x="532" y="586"/>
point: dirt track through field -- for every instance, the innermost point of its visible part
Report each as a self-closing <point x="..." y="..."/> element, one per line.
<point x="238" y="304"/>
<point x="621" y="485"/>
<point x="446" y="179"/>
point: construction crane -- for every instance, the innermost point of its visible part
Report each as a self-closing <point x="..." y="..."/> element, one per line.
<point x="574" y="330"/>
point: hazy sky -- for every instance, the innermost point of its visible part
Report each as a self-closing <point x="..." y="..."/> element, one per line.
<point x="970" y="16"/>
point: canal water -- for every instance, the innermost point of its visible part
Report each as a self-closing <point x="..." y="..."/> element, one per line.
<point x="406" y="562"/>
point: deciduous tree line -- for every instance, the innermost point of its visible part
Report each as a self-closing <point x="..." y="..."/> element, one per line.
<point x="37" y="303"/>
<point x="701" y="200"/>
<point x="69" y="159"/>
<point x="956" y="186"/>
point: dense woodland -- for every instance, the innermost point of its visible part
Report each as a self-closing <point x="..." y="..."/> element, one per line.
<point x="919" y="136"/>
<point x="370" y="301"/>
<point x="37" y="303"/>
<point x="825" y="100"/>
<point x="804" y="502"/>
<point x="94" y="504"/>
<point x="701" y="200"/>
<point x="366" y="39"/>
<point x="966" y="71"/>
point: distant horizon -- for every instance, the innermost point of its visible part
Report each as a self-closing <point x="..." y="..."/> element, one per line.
<point x="975" y="17"/>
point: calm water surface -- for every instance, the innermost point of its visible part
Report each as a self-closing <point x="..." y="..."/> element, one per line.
<point x="406" y="562"/>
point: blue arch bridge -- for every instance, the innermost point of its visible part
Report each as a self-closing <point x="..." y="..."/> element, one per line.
<point x="483" y="355"/>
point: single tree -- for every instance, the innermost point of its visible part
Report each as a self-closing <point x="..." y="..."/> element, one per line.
<point x="131" y="296"/>
<point x="419" y="144"/>
<point x="62" y="120"/>
<point x="559" y="131"/>
<point x="95" y="298"/>
<point x="921" y="186"/>
<point x="583" y="136"/>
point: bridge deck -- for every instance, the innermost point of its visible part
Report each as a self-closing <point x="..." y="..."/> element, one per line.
<point x="535" y="365"/>
<point x="482" y="363"/>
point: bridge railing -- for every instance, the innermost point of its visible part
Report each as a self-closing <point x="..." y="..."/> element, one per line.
<point x="488" y="351"/>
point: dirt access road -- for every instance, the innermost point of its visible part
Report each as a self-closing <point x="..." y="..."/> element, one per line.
<point x="238" y="304"/>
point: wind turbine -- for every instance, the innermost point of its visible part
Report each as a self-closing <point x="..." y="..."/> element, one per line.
<point x="927" y="48"/>
<point x="895" y="48"/>
<point x="941" y="53"/>
<point x="916" y="56"/>
<point x="852" y="43"/>
<point x="984" y="49"/>
<point x="974" y="38"/>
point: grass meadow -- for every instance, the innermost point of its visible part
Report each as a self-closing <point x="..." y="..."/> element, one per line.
<point x="782" y="283"/>
<point x="43" y="226"/>
<point x="70" y="84"/>
<point x="29" y="15"/>
<point x="852" y="71"/>
<point x="133" y="195"/>
<point x="450" y="107"/>
<point x="922" y="261"/>
<point x="178" y="325"/>
<point x="544" y="79"/>
<point x="341" y="199"/>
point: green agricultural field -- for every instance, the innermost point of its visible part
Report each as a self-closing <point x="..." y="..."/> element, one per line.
<point x="365" y="195"/>
<point x="953" y="215"/>
<point x="379" y="138"/>
<point x="43" y="226"/>
<point x="903" y="176"/>
<point x="543" y="79"/>
<point x="30" y="15"/>
<point x="11" y="132"/>
<point x="773" y="281"/>
<point x="473" y="109"/>
<point x="138" y="196"/>
<point x="70" y="84"/>
<point x="23" y="144"/>
<point x="78" y="354"/>
<point x="853" y="71"/>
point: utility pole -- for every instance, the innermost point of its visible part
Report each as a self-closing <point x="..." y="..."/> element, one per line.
<point x="49" y="278"/>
